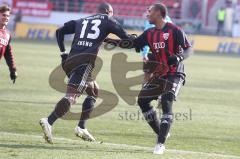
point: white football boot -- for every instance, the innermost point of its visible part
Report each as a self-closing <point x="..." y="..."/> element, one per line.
<point x="47" y="130"/>
<point x="159" y="149"/>
<point x="84" y="134"/>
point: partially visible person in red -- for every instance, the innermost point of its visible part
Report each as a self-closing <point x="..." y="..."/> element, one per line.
<point x="5" y="39"/>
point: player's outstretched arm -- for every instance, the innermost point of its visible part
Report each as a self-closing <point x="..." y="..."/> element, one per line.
<point x="122" y="43"/>
<point x="127" y="41"/>
<point x="116" y="28"/>
<point x="10" y="62"/>
<point x="132" y="42"/>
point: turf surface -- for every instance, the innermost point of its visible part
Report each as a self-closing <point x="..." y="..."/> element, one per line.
<point x="207" y="125"/>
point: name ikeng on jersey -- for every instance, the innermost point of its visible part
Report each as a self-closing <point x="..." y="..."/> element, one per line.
<point x="85" y="43"/>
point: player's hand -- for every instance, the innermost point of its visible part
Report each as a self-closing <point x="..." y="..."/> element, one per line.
<point x="64" y="57"/>
<point x="133" y="36"/>
<point x="174" y="60"/>
<point x="113" y="42"/>
<point x="13" y="76"/>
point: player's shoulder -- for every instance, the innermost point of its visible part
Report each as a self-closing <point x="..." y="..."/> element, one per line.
<point x="6" y="33"/>
<point x="71" y="22"/>
<point x="173" y="27"/>
<point x="112" y="20"/>
<point x="150" y="29"/>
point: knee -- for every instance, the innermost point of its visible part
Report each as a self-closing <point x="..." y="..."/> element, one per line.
<point x="71" y="95"/>
<point x="167" y="102"/>
<point x="167" y="118"/>
<point x="144" y="104"/>
<point x="72" y="99"/>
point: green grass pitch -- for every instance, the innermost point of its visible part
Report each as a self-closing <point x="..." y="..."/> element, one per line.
<point x="210" y="96"/>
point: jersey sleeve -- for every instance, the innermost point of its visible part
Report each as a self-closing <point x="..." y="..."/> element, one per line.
<point x="68" y="28"/>
<point x="140" y="42"/>
<point x="182" y="39"/>
<point x="9" y="57"/>
<point x="116" y="28"/>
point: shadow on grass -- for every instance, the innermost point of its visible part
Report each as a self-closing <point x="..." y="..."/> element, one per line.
<point x="31" y="102"/>
<point x="213" y="138"/>
<point x="73" y="148"/>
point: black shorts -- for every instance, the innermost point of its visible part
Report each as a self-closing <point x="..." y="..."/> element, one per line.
<point x="156" y="67"/>
<point x="81" y="80"/>
<point x="157" y="86"/>
<point x="79" y="70"/>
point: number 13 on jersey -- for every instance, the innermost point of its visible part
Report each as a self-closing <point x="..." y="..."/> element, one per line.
<point x="95" y="28"/>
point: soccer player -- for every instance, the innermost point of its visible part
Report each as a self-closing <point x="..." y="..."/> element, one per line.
<point x="145" y="52"/>
<point x="147" y="55"/>
<point x="169" y="46"/>
<point x="89" y="32"/>
<point x="5" y="40"/>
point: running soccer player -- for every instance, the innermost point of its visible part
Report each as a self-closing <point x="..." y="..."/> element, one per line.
<point x="89" y="32"/>
<point x="5" y="41"/>
<point x="170" y="47"/>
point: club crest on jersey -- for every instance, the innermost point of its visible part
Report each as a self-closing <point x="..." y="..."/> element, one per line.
<point x="165" y="36"/>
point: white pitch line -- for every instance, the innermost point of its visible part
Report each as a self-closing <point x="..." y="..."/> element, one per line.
<point x="127" y="146"/>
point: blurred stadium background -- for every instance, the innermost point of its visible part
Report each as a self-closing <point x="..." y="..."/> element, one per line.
<point x="210" y="97"/>
<point x="39" y="19"/>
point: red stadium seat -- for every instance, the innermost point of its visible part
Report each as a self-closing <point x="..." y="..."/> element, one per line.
<point x="130" y="7"/>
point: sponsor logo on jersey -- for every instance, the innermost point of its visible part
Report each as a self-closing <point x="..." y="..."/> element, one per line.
<point x="3" y="42"/>
<point x="159" y="45"/>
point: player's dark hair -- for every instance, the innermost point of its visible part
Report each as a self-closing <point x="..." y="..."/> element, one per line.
<point x="162" y="8"/>
<point x="104" y="7"/>
<point x="4" y="8"/>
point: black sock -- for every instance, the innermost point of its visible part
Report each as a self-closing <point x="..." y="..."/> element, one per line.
<point x="62" y="107"/>
<point x="165" y="125"/>
<point x="152" y="119"/>
<point x="52" y="118"/>
<point x="167" y="117"/>
<point x="87" y="108"/>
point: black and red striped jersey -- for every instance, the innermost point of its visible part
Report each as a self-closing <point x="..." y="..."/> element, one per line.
<point x="6" y="49"/>
<point x="164" y="43"/>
